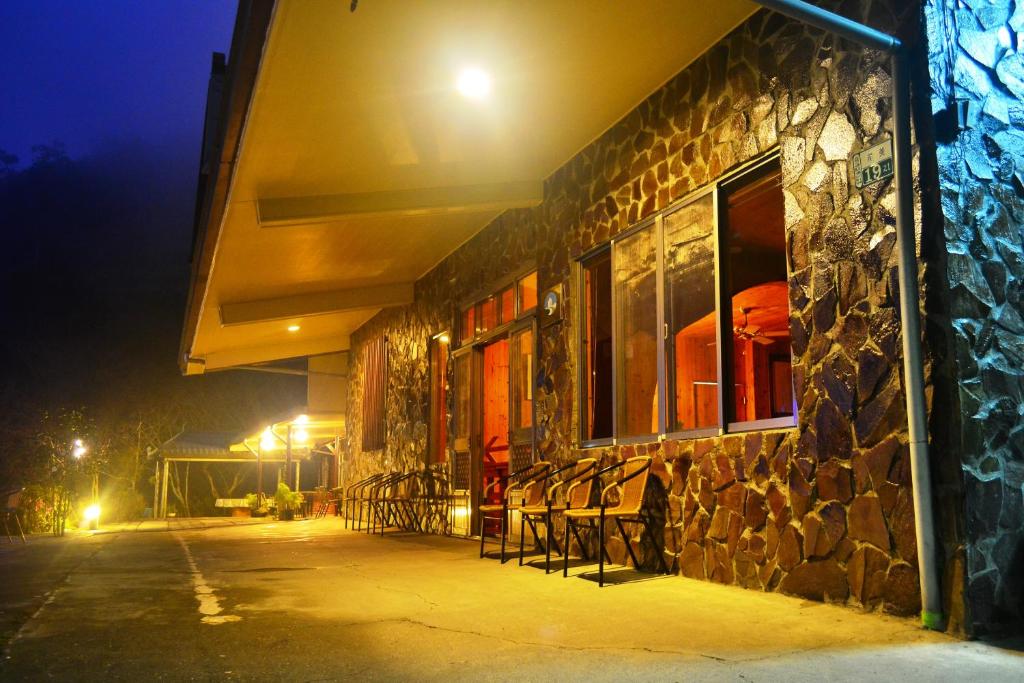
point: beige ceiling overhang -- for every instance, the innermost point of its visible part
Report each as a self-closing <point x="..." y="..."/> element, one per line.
<point x="358" y="166"/>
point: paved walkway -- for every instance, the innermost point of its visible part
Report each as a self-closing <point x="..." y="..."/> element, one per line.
<point x="307" y="600"/>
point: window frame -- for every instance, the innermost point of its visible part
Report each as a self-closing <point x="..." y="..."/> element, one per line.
<point x="669" y="342"/>
<point x="580" y="266"/>
<point x="439" y="415"/>
<point x="495" y="290"/>
<point x="723" y="322"/>
<point x="653" y="224"/>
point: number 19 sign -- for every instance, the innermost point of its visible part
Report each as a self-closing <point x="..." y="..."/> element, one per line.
<point x="873" y="164"/>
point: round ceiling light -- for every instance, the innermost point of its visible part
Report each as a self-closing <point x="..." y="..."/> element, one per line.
<point x="473" y="83"/>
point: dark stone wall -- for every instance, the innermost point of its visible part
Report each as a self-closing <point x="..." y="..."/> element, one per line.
<point x="823" y="510"/>
<point x="977" y="56"/>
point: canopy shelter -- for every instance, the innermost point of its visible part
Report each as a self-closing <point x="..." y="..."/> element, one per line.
<point x="285" y="441"/>
<point x="294" y="436"/>
<point x="355" y="150"/>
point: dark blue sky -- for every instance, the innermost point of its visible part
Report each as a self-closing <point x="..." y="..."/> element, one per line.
<point x="91" y="72"/>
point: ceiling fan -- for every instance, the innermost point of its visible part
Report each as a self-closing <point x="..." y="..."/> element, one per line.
<point x="755" y="334"/>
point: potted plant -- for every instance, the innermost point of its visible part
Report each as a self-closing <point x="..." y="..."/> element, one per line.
<point x="287" y="502"/>
<point x="258" y="510"/>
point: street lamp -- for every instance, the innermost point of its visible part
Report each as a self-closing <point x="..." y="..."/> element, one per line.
<point x="92" y="512"/>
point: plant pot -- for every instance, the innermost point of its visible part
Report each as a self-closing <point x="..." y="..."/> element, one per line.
<point x="286" y="515"/>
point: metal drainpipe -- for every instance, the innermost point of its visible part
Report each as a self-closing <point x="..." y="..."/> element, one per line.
<point x="910" y="316"/>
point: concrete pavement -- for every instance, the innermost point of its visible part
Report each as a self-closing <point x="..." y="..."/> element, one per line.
<point x="307" y="600"/>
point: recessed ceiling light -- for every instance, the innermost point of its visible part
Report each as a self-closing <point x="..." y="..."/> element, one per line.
<point x="474" y="83"/>
<point x="294" y="328"/>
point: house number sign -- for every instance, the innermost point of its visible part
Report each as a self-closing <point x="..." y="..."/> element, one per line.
<point x="873" y="164"/>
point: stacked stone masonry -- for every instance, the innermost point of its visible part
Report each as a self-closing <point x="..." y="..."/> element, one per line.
<point x="976" y="57"/>
<point x="823" y="510"/>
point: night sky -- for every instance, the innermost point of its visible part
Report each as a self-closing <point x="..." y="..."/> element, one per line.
<point x="88" y="72"/>
<point x="97" y="226"/>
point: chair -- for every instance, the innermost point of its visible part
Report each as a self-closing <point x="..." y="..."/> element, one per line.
<point x="535" y="472"/>
<point x="396" y="506"/>
<point x="576" y="496"/>
<point x="432" y="499"/>
<point x="630" y="508"/>
<point x="321" y="501"/>
<point x="11" y="511"/>
<point x="377" y="497"/>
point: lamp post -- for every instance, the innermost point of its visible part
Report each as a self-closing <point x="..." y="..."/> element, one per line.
<point x="92" y="512"/>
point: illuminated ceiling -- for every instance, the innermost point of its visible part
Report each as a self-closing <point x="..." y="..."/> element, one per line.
<point x="361" y="166"/>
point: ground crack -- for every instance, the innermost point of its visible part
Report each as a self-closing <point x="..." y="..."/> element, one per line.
<point x="533" y="643"/>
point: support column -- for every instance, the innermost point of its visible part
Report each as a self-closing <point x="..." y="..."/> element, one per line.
<point x="163" y="489"/>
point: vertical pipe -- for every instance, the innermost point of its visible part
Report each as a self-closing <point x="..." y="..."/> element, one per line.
<point x="288" y="457"/>
<point x="913" y="366"/>
<point x="163" y="486"/>
<point x="259" y="475"/>
<point x="156" y="490"/>
<point x="910" y="317"/>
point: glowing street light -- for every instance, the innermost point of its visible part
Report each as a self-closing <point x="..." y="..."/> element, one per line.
<point x="78" y="449"/>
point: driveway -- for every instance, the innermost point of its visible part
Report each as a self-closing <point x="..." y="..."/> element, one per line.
<point x="308" y="600"/>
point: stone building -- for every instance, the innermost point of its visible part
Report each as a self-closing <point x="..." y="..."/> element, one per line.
<point x="672" y="234"/>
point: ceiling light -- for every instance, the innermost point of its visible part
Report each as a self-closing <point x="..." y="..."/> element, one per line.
<point x="473" y="83"/>
<point x="267" y="441"/>
<point x="294" y="328"/>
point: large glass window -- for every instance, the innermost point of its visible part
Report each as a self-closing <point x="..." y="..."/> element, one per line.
<point x="636" y="334"/>
<point x="755" y="242"/>
<point x="596" y="413"/>
<point x="691" y="316"/>
<point x="701" y="318"/>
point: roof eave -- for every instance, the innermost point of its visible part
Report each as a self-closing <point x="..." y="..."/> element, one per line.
<point x="252" y="24"/>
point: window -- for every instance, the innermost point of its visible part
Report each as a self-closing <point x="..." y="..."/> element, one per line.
<point x="755" y="242"/>
<point x="527" y="286"/>
<point x="636" y="333"/>
<point x="375" y="363"/>
<point x="701" y="318"/>
<point x="522" y="380"/>
<point x="438" y="447"/>
<point x="488" y="314"/>
<point x="691" y="316"/>
<point x="508" y="304"/>
<point x="467" y="324"/>
<point x="460" y="427"/>
<point x="596" y="415"/>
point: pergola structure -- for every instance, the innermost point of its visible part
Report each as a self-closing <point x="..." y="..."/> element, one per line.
<point x="286" y="441"/>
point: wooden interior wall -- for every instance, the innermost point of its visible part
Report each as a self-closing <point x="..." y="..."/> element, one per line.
<point x="696" y="405"/>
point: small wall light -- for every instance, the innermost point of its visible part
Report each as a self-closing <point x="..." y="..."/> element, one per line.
<point x="294" y="328"/>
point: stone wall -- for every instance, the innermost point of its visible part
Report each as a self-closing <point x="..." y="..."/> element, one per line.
<point x="823" y="510"/>
<point x="977" y="56"/>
